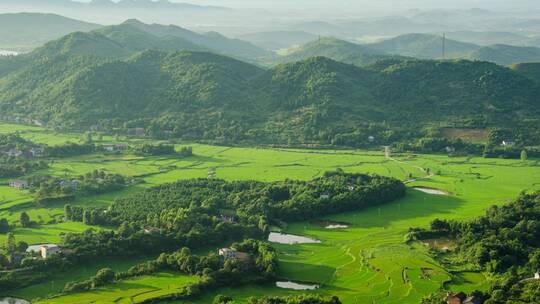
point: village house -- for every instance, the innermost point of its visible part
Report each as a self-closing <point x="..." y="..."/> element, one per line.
<point x="115" y="147"/>
<point x="449" y="149"/>
<point x="151" y="230"/>
<point x="48" y="251"/>
<point x="325" y="196"/>
<point x="460" y="298"/>
<point x="14" y="153"/>
<point x="227" y="219"/>
<point x="371" y="138"/>
<point x="233" y="254"/>
<point x="19" y="184"/>
<point x="73" y="184"/>
<point x="136" y="131"/>
<point x="537" y="276"/>
<point x="508" y="143"/>
<point x="36" y="151"/>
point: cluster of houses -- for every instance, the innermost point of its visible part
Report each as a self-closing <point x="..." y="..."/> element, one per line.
<point x="23" y="184"/>
<point x="19" y="184"/>
<point x="45" y="251"/>
<point x="115" y="147"/>
<point x="29" y="153"/>
<point x="22" y="120"/>
<point x="73" y="184"/>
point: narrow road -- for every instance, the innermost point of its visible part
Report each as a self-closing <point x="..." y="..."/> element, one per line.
<point x="429" y="175"/>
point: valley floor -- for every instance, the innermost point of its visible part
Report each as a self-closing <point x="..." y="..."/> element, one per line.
<point x="368" y="262"/>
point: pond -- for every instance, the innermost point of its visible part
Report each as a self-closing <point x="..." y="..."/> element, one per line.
<point x="13" y="301"/>
<point x="431" y="191"/>
<point x="296" y="286"/>
<point x="290" y="239"/>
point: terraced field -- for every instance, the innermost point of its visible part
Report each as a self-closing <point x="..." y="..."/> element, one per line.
<point x="369" y="262"/>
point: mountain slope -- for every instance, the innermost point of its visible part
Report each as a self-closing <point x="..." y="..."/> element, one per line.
<point x="25" y="31"/>
<point x="424" y="46"/>
<point x="147" y="84"/>
<point x="203" y="96"/>
<point x="335" y="49"/>
<point x="212" y="41"/>
<point x="277" y="40"/>
<point x="506" y="54"/>
<point x="530" y="70"/>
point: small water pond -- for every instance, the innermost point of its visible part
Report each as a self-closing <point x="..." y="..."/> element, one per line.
<point x="431" y="191"/>
<point x="296" y="286"/>
<point x="13" y="301"/>
<point x="332" y="224"/>
<point x="290" y="239"/>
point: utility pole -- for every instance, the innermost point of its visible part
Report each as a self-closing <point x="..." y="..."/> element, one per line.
<point x="444" y="46"/>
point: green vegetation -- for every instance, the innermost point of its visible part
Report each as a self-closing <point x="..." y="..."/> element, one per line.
<point x="429" y="46"/>
<point x="503" y="243"/>
<point x="335" y="49"/>
<point x="347" y="260"/>
<point x="205" y="97"/>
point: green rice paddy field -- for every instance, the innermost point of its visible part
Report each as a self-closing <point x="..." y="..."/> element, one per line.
<point x="369" y="262"/>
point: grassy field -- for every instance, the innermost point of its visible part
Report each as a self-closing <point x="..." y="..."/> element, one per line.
<point x="129" y="291"/>
<point x="56" y="284"/>
<point x="367" y="263"/>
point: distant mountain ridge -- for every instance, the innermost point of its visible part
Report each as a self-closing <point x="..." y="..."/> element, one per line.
<point x="122" y="4"/>
<point x="25" y="31"/>
<point x="336" y="49"/>
<point x="428" y="46"/>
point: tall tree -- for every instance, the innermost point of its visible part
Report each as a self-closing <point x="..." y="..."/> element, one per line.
<point x="4" y="226"/>
<point x="524" y="155"/>
<point x="25" y="220"/>
<point x="11" y="246"/>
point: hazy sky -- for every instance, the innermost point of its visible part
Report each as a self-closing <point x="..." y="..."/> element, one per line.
<point x="377" y="4"/>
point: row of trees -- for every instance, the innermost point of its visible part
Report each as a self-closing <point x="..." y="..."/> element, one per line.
<point x="215" y="271"/>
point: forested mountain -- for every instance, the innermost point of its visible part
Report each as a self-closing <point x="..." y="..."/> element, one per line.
<point x="429" y="46"/>
<point x="276" y="40"/>
<point x="425" y="46"/>
<point x="531" y="70"/>
<point x="212" y="41"/>
<point x="102" y="78"/>
<point x="25" y="31"/>
<point x="506" y="54"/>
<point x="487" y="38"/>
<point x="339" y="50"/>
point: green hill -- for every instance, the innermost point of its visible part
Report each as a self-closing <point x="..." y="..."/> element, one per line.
<point x="424" y="46"/>
<point x="212" y="41"/>
<point x="531" y="70"/>
<point x="277" y="40"/>
<point x="506" y="54"/>
<point x="204" y="96"/>
<point x="25" y="31"/>
<point x="333" y="48"/>
<point x="427" y="46"/>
